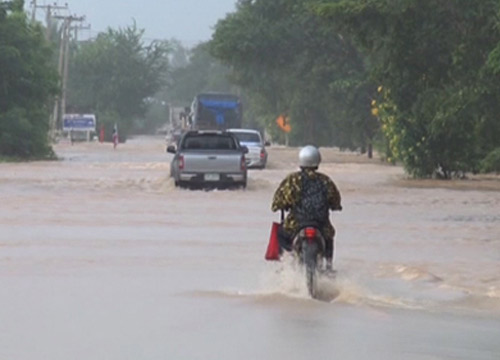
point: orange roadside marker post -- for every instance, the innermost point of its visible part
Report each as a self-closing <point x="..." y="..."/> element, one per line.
<point x="283" y="122"/>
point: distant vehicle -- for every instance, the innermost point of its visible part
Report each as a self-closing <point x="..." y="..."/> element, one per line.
<point x="215" y="111"/>
<point x="173" y="136"/>
<point x="257" y="154"/>
<point x="208" y="158"/>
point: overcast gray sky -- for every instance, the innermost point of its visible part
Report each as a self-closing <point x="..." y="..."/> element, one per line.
<point x="190" y="21"/>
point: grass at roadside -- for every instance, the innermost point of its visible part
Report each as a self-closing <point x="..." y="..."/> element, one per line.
<point x="17" y="159"/>
<point x="471" y="183"/>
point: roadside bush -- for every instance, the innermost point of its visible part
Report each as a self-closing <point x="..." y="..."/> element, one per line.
<point x="28" y="81"/>
<point x="491" y="163"/>
<point x="23" y="134"/>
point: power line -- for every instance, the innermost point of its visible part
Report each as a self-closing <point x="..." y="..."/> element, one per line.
<point x="48" y="14"/>
<point x="79" y="27"/>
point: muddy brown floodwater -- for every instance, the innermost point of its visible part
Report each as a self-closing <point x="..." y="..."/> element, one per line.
<point x="101" y="257"/>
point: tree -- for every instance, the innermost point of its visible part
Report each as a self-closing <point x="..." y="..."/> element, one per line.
<point x="289" y="61"/>
<point x="436" y="64"/>
<point x="116" y="75"/>
<point x="27" y="82"/>
<point x="201" y="73"/>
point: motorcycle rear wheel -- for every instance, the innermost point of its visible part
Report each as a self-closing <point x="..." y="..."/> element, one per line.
<point x="310" y="258"/>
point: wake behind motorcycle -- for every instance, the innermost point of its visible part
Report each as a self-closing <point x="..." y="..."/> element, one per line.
<point x="308" y="246"/>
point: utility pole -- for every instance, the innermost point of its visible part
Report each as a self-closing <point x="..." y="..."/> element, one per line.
<point x="55" y="113"/>
<point x="48" y="14"/>
<point x="33" y="14"/>
<point x="66" y="64"/>
<point x="60" y="103"/>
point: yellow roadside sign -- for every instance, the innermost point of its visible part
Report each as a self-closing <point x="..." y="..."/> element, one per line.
<point x="284" y="123"/>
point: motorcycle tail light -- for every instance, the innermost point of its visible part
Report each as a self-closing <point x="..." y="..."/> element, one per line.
<point x="181" y="162"/>
<point x="310" y="233"/>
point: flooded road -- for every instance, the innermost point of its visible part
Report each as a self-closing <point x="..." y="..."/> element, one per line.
<point x="101" y="257"/>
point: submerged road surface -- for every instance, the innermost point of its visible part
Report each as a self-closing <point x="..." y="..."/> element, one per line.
<point x="101" y="257"/>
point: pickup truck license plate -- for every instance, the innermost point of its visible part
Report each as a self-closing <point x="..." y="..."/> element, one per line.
<point x="212" y="177"/>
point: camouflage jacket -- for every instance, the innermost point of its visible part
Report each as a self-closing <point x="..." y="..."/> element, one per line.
<point x="289" y="194"/>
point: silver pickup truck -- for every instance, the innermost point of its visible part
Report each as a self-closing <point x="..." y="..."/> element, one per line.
<point x="208" y="158"/>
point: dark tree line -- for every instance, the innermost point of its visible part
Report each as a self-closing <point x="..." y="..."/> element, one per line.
<point x="437" y="63"/>
<point x="28" y="80"/>
<point x="116" y="76"/>
<point x="291" y="62"/>
<point x="420" y="77"/>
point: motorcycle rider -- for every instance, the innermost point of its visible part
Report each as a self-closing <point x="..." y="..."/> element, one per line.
<point x="309" y="196"/>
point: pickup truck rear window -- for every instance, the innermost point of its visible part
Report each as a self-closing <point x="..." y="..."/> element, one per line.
<point x="209" y="142"/>
<point x="247" y="137"/>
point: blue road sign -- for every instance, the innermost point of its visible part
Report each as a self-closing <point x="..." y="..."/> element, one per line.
<point x="79" y="122"/>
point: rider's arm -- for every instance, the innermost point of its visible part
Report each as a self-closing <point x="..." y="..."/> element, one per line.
<point x="284" y="195"/>
<point x="334" y="199"/>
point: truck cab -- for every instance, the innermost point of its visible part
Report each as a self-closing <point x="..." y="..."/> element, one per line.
<point x="216" y="111"/>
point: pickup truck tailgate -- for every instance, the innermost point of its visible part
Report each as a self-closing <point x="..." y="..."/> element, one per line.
<point x="214" y="162"/>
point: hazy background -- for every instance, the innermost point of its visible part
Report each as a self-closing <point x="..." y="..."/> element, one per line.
<point x="190" y="21"/>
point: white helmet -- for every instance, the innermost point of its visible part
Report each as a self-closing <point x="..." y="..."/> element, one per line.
<point x="309" y="157"/>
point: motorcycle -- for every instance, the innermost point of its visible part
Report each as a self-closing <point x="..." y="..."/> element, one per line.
<point x="309" y="247"/>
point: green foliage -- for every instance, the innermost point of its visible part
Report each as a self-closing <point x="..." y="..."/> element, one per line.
<point x="27" y="82"/>
<point x="491" y="163"/>
<point x="116" y="74"/>
<point x="439" y="66"/>
<point x="200" y="72"/>
<point x="289" y="61"/>
<point x="21" y="136"/>
<point x="156" y="116"/>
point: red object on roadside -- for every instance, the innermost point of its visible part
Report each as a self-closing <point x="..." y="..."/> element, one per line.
<point x="101" y="134"/>
<point x="273" y="248"/>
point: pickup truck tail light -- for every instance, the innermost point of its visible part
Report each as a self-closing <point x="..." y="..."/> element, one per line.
<point x="243" y="163"/>
<point x="262" y="154"/>
<point x="181" y="162"/>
